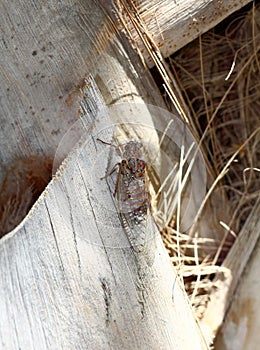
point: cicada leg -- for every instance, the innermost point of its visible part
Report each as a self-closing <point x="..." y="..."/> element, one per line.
<point x="118" y="176"/>
<point x="106" y="143"/>
<point x="110" y="172"/>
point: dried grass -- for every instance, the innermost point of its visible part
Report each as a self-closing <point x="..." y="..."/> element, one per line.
<point x="219" y="78"/>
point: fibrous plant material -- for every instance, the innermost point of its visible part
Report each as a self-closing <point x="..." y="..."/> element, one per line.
<point x="219" y="78"/>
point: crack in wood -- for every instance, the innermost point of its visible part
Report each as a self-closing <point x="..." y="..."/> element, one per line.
<point x="54" y="235"/>
<point x="73" y="232"/>
<point x="107" y="299"/>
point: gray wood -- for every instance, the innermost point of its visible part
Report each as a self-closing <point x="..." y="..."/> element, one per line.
<point x="47" y="49"/>
<point x="67" y="281"/>
<point x="70" y="280"/>
<point x="173" y="24"/>
<point x="232" y="274"/>
<point x="68" y="276"/>
<point x="240" y="329"/>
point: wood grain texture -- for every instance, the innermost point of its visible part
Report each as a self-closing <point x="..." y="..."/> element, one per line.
<point x="45" y="53"/>
<point x="174" y="23"/>
<point x="240" y="329"/>
<point x="234" y="266"/>
<point x="70" y="281"/>
<point x="68" y="277"/>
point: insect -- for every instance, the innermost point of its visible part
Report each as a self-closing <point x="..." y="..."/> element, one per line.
<point x="132" y="193"/>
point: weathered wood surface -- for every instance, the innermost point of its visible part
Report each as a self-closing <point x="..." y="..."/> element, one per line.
<point x="174" y="23"/>
<point x="62" y="283"/>
<point x="228" y="285"/>
<point x="68" y="279"/>
<point x="47" y="49"/>
<point x="241" y="327"/>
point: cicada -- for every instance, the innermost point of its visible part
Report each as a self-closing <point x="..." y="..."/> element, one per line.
<point x="131" y="190"/>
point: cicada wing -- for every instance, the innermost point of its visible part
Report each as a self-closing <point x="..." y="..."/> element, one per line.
<point x="136" y="233"/>
<point x="141" y="236"/>
<point x="136" y="219"/>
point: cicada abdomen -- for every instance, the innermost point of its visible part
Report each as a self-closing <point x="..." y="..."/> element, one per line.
<point x="132" y="193"/>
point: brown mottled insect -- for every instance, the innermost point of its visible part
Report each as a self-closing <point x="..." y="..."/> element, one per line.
<point x="132" y="193"/>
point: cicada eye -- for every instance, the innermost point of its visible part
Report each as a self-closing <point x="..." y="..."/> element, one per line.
<point x="141" y="166"/>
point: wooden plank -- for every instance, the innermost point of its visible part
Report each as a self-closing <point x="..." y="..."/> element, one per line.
<point x="40" y="79"/>
<point x="241" y="326"/>
<point x="62" y="283"/>
<point x="69" y="278"/>
<point x="173" y="24"/>
<point x="234" y="265"/>
<point x="66" y="280"/>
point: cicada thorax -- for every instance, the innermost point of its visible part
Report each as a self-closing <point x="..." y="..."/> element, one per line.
<point x="132" y="149"/>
